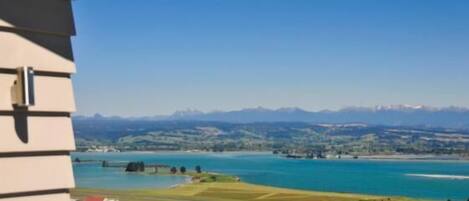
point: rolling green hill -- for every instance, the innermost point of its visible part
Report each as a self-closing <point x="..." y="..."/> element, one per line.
<point x="353" y="139"/>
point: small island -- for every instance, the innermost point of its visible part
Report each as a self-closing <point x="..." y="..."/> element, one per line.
<point x="196" y="175"/>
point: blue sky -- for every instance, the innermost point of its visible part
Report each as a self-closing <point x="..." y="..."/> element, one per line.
<point x="145" y="57"/>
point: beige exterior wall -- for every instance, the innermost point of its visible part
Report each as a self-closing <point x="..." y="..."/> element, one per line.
<point x="43" y="134"/>
<point x="35" y="142"/>
<point x="53" y="94"/>
<point x="36" y="173"/>
<point x="18" y="48"/>
<point x="50" y="197"/>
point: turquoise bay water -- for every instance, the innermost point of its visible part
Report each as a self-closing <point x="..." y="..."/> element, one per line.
<point x="94" y="176"/>
<point x="352" y="176"/>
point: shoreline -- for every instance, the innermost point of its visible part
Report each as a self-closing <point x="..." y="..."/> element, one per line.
<point x="378" y="157"/>
<point x="189" y="181"/>
<point x="197" y="179"/>
<point x="230" y="191"/>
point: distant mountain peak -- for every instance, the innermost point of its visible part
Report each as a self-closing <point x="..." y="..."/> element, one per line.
<point x="187" y="112"/>
<point x="400" y="107"/>
<point x="403" y="107"/>
<point x="405" y="115"/>
<point x="290" y="109"/>
<point x="257" y="109"/>
<point x="98" y="116"/>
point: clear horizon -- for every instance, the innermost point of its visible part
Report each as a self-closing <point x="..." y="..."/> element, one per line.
<point x="156" y="57"/>
<point x="261" y="107"/>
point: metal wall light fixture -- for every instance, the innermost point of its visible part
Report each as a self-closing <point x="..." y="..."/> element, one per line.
<point x="25" y="86"/>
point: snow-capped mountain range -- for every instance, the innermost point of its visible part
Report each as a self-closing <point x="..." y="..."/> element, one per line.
<point x="400" y="115"/>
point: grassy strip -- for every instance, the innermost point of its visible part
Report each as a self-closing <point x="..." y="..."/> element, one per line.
<point x="226" y="191"/>
<point x="196" y="177"/>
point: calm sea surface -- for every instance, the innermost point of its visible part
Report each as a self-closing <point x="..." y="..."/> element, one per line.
<point x="430" y="180"/>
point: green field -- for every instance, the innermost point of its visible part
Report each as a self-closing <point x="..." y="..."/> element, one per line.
<point x="226" y="191"/>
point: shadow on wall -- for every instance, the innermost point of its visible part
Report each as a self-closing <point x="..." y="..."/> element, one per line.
<point x="60" y="45"/>
<point x="20" y="115"/>
<point x="44" y="15"/>
<point x="47" y="23"/>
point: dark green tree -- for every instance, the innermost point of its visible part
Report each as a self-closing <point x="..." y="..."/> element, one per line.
<point x="174" y="170"/>
<point x="198" y="169"/>
<point x="105" y="164"/>
<point x="135" y="167"/>
<point x="182" y="170"/>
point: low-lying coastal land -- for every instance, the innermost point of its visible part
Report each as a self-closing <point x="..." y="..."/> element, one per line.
<point x="207" y="186"/>
<point x="405" y="157"/>
<point x="226" y="191"/>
